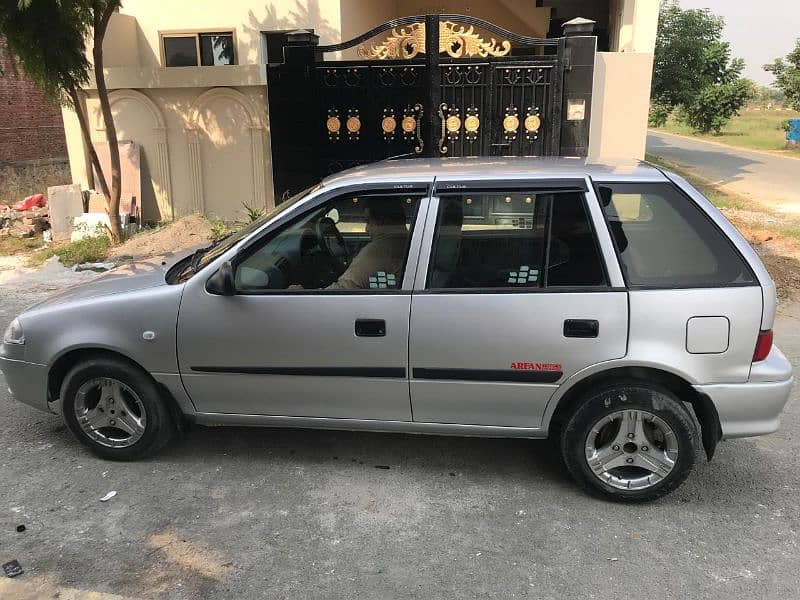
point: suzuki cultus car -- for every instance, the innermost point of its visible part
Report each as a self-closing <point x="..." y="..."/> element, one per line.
<point x="609" y="307"/>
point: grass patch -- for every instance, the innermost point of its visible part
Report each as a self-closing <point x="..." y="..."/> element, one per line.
<point x="89" y="249"/>
<point x="753" y="129"/>
<point x="10" y="245"/>
<point x="221" y="229"/>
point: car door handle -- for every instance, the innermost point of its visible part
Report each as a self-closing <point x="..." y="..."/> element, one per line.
<point x="581" y="328"/>
<point x="370" y="328"/>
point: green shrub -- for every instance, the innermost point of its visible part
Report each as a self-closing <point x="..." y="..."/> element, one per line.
<point x="219" y="228"/>
<point x="658" y="115"/>
<point x="253" y="212"/>
<point x="89" y="249"/>
<point x="716" y="104"/>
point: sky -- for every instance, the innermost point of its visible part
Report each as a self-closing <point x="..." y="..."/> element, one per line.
<point x="758" y="31"/>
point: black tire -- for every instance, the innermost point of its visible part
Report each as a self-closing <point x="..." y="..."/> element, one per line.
<point x="621" y="396"/>
<point x="160" y="426"/>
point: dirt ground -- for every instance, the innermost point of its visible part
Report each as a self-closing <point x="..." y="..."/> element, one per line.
<point x="183" y="234"/>
<point x="779" y="251"/>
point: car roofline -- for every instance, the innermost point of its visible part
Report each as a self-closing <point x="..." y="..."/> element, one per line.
<point x="492" y="168"/>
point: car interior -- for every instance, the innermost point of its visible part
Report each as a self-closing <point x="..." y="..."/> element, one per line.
<point x="313" y="252"/>
<point x="502" y="243"/>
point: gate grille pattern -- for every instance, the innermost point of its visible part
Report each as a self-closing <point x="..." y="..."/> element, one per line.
<point x="475" y="97"/>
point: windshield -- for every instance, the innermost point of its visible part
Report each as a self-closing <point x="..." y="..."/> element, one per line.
<point x="208" y="254"/>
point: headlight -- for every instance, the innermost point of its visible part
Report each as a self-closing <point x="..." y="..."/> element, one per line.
<point x="13" y="334"/>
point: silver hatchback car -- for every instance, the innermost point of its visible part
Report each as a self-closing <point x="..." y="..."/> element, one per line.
<point x="609" y="307"/>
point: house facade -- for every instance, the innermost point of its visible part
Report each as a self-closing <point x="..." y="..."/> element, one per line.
<point x="191" y="83"/>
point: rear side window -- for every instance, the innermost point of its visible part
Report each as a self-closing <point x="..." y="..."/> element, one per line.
<point x="514" y="240"/>
<point x="665" y="240"/>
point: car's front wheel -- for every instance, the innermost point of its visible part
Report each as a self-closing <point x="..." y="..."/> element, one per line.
<point x="115" y="409"/>
<point x="630" y="442"/>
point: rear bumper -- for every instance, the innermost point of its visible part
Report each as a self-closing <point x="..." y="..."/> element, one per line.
<point x="26" y="381"/>
<point x="748" y="409"/>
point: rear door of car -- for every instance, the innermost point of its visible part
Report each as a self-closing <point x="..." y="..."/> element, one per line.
<point x="512" y="296"/>
<point x="696" y="305"/>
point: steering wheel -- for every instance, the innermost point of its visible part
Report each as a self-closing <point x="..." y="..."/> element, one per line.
<point x="331" y="241"/>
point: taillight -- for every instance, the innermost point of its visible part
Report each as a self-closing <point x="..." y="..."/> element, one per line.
<point x="763" y="345"/>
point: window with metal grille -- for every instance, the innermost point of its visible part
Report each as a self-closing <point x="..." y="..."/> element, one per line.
<point x="206" y="49"/>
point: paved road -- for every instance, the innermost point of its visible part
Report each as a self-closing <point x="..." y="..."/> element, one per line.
<point x="261" y="513"/>
<point x="767" y="178"/>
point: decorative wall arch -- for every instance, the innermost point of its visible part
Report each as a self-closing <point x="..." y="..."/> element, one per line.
<point x="228" y="94"/>
<point x="161" y="167"/>
<point x="135" y="96"/>
<point x="254" y="123"/>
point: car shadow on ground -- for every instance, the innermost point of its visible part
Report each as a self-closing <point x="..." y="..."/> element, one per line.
<point x="531" y="463"/>
<point x="523" y="458"/>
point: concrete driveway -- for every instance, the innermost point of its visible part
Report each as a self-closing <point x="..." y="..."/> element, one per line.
<point x="238" y="513"/>
<point x="767" y="178"/>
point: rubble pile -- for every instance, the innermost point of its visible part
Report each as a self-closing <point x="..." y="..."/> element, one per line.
<point x="26" y="218"/>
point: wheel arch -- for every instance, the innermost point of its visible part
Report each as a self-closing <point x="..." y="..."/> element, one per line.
<point x="703" y="407"/>
<point x="67" y="360"/>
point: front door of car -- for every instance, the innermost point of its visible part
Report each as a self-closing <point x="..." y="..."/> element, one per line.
<point x="512" y="298"/>
<point x="318" y="326"/>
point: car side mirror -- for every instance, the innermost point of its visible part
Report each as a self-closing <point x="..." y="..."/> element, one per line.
<point x="222" y="282"/>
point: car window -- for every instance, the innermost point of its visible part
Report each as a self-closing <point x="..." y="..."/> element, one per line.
<point x="355" y="242"/>
<point x="665" y="240"/>
<point x="514" y="240"/>
<point x="574" y="259"/>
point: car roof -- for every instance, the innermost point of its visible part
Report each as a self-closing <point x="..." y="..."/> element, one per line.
<point x="491" y="168"/>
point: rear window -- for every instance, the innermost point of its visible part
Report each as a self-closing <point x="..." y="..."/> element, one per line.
<point x="665" y="240"/>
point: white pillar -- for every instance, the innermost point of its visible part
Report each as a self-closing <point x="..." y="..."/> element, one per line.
<point x="164" y="191"/>
<point x="196" y="170"/>
<point x="257" y="153"/>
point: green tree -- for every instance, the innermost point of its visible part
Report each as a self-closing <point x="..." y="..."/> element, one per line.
<point x="716" y="104"/>
<point x="787" y="75"/>
<point x="693" y="70"/>
<point x="49" y="40"/>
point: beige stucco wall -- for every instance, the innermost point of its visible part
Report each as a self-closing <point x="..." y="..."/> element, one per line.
<point x="620" y="101"/>
<point x="203" y="130"/>
<point x="247" y="18"/>
<point x="203" y="149"/>
<point x="633" y="25"/>
<point x="621" y="87"/>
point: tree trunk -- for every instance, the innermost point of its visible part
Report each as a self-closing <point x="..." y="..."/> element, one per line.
<point x="87" y="140"/>
<point x="102" y="15"/>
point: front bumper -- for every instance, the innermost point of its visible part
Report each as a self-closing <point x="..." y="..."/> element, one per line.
<point x="26" y="381"/>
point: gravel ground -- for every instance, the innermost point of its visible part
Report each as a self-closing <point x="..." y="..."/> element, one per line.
<point x="266" y="513"/>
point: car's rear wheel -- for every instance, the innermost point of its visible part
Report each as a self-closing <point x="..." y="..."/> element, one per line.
<point x="630" y="442"/>
<point x="115" y="409"/>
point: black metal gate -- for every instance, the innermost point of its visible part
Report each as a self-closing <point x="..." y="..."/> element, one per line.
<point x="476" y="96"/>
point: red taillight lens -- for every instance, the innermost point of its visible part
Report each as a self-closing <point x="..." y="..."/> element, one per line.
<point x="763" y="345"/>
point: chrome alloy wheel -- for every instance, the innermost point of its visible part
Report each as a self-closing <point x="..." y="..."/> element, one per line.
<point x="631" y="449"/>
<point x="110" y="412"/>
